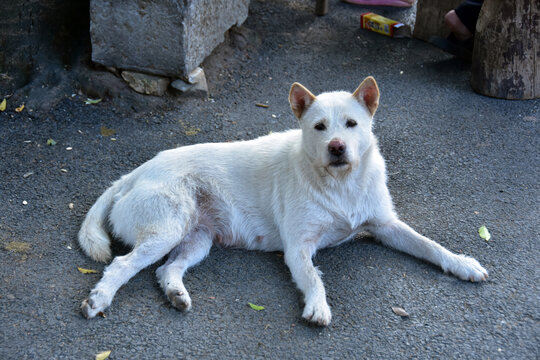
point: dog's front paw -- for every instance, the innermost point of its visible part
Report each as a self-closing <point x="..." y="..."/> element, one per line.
<point x="317" y="312"/>
<point x="96" y="303"/>
<point x="179" y="299"/>
<point x="467" y="268"/>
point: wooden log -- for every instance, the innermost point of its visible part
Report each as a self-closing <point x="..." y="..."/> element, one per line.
<point x="430" y="18"/>
<point x="506" y="56"/>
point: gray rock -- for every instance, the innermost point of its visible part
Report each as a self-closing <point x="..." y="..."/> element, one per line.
<point x="181" y="85"/>
<point x="195" y="84"/>
<point x="146" y="84"/>
<point x="162" y="37"/>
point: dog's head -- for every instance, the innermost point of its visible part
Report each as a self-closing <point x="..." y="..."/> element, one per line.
<point x="336" y="126"/>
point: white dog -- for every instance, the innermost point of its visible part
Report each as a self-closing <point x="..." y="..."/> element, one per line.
<point x="296" y="192"/>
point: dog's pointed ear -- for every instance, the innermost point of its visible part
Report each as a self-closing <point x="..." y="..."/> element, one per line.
<point x="368" y="94"/>
<point x="300" y="99"/>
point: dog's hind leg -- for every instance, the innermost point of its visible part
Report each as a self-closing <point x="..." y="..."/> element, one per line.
<point x="192" y="250"/>
<point x="151" y="246"/>
<point x="400" y="236"/>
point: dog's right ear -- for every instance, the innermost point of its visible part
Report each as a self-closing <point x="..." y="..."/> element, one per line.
<point x="300" y="99"/>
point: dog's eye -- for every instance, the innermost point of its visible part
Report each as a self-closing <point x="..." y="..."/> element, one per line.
<point x="350" y="123"/>
<point x="320" y="126"/>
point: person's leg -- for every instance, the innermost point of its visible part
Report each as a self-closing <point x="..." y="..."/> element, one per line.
<point x="462" y="20"/>
<point x="456" y="26"/>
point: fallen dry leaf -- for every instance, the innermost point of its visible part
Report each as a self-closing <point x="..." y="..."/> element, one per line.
<point x="3" y="105"/>
<point x="399" y="311"/>
<point x="87" y="271"/>
<point x="189" y="130"/>
<point x="103" y="355"/>
<point x="105" y="131"/>
<point x="20" y="108"/>
<point x="17" y="246"/>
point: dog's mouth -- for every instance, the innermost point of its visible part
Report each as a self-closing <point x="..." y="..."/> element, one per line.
<point x="338" y="163"/>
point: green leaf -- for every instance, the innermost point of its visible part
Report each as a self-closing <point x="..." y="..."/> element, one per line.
<point x="255" y="307"/>
<point x="51" y="142"/>
<point x="484" y="233"/>
<point x="92" y="101"/>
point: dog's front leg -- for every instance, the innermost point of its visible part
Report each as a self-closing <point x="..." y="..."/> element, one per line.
<point x="400" y="236"/>
<point x="308" y="280"/>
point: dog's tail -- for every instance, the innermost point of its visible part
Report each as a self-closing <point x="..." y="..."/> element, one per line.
<point x="93" y="236"/>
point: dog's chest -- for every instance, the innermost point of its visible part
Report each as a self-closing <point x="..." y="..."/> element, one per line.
<point x="348" y="213"/>
<point x="342" y="228"/>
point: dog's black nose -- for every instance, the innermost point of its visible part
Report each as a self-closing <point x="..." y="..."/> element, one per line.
<point x="337" y="147"/>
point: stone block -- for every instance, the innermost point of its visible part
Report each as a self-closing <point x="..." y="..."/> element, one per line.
<point x="162" y="37"/>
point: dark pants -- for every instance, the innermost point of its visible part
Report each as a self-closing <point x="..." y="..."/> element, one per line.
<point x="468" y="12"/>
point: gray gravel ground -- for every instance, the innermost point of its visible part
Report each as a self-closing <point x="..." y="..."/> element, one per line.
<point x="457" y="160"/>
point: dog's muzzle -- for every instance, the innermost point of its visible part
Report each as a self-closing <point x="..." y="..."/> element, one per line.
<point x="337" y="150"/>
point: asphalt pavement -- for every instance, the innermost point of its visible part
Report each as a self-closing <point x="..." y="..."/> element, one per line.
<point x="456" y="161"/>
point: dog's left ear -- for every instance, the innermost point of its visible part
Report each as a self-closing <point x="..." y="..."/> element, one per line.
<point x="300" y="99"/>
<point x="368" y="94"/>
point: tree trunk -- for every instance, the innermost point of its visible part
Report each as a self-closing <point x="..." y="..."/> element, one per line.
<point x="506" y="56"/>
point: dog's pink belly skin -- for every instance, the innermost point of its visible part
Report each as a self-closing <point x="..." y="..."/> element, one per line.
<point x="248" y="241"/>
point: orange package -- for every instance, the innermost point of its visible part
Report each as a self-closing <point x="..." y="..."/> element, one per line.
<point x="385" y="26"/>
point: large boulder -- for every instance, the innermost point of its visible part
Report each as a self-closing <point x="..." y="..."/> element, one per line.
<point x="162" y="37"/>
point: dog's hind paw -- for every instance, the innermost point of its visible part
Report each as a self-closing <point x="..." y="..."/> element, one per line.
<point x="179" y="299"/>
<point x="468" y="269"/>
<point x="95" y="304"/>
<point x="317" y="313"/>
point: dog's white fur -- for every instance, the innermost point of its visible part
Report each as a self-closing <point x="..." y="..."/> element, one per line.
<point x="291" y="191"/>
